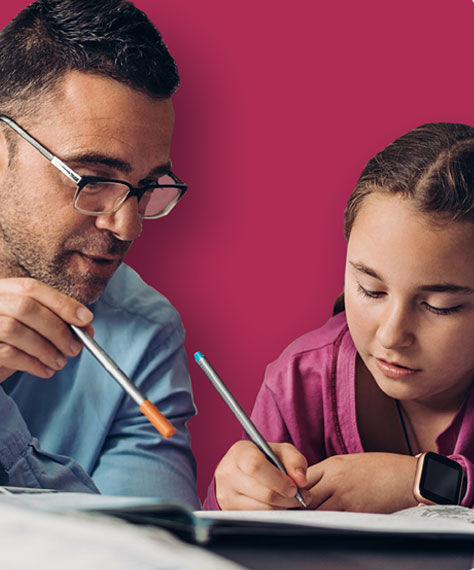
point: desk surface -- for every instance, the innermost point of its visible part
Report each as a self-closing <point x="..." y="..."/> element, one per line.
<point x="331" y="553"/>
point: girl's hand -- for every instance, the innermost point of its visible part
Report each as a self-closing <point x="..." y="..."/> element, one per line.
<point x="245" y="478"/>
<point x="363" y="482"/>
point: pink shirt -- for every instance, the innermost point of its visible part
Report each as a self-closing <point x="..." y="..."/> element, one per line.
<point x="308" y="399"/>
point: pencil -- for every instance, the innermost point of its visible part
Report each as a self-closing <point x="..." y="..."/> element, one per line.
<point x="147" y="408"/>
<point x="248" y="425"/>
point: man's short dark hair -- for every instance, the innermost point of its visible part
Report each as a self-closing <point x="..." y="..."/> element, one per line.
<point x="111" y="38"/>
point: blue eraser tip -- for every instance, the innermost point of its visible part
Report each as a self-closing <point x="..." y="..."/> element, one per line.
<point x="198" y="356"/>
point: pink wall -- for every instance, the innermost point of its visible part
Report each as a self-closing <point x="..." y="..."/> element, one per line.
<point x="281" y="105"/>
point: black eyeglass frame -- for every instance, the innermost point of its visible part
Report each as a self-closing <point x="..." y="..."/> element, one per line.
<point x="81" y="181"/>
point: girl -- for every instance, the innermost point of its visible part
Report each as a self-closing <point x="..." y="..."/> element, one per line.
<point x="350" y="405"/>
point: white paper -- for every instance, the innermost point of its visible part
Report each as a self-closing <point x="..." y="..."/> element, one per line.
<point x="403" y="522"/>
<point x="38" y="540"/>
<point x="59" y="501"/>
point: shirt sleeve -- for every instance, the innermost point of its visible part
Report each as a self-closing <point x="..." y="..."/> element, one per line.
<point x="135" y="458"/>
<point x="24" y="464"/>
<point x="127" y="456"/>
<point x="468" y="468"/>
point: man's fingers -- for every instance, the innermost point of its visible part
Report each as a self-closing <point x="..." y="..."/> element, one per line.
<point x="37" y="320"/>
<point x="16" y="338"/>
<point x="14" y="359"/>
<point x="65" y="307"/>
<point x="28" y="304"/>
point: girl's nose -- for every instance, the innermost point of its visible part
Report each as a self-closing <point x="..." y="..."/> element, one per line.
<point x="395" y="328"/>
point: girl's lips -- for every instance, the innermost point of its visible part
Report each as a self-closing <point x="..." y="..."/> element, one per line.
<point x="393" y="370"/>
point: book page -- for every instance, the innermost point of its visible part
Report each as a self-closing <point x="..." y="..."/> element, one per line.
<point x="437" y="519"/>
<point x="440" y="511"/>
<point x="47" y="541"/>
<point x="353" y="522"/>
<point x="55" y="501"/>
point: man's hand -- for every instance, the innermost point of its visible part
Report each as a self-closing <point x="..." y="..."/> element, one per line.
<point x="245" y="478"/>
<point x="363" y="482"/>
<point x="34" y="332"/>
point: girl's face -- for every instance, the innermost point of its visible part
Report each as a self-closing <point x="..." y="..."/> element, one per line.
<point x="409" y="295"/>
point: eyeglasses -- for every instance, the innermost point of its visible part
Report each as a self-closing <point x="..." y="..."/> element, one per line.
<point x="97" y="196"/>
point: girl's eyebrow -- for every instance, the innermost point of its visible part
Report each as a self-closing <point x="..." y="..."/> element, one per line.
<point x="432" y="288"/>
<point x="447" y="288"/>
<point x="367" y="270"/>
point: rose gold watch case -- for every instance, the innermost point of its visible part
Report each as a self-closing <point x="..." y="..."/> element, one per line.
<point x="416" y="486"/>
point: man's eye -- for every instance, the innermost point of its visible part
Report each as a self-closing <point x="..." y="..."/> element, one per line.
<point x="85" y="171"/>
<point x="152" y="182"/>
<point x="370" y="294"/>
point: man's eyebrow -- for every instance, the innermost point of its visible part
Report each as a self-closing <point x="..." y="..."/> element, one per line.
<point x="97" y="158"/>
<point x="431" y="288"/>
<point x="161" y="169"/>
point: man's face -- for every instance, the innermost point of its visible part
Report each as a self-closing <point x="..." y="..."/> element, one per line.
<point x="97" y="126"/>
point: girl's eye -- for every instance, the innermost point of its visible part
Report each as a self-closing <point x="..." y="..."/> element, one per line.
<point x="366" y="293"/>
<point x="436" y="310"/>
<point x="447" y="311"/>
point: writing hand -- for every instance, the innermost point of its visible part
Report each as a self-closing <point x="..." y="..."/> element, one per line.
<point x="363" y="482"/>
<point x="245" y="478"/>
<point x="34" y="332"/>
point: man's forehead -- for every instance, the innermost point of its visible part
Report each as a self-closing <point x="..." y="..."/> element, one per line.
<point x="85" y="98"/>
<point x="96" y="121"/>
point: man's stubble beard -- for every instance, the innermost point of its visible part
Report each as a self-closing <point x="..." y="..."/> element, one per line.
<point x="20" y="260"/>
<point x="22" y="254"/>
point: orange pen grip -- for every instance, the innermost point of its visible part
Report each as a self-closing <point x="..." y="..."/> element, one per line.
<point x="157" y="419"/>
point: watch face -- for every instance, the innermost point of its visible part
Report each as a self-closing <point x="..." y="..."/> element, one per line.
<point x="441" y="479"/>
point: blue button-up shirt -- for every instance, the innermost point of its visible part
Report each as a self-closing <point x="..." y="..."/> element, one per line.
<point x="80" y="431"/>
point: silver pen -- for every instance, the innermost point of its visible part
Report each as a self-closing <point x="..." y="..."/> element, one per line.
<point x="147" y="408"/>
<point x="245" y="421"/>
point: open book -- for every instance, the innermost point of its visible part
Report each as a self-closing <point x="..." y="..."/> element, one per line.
<point x="204" y="526"/>
<point x="34" y="538"/>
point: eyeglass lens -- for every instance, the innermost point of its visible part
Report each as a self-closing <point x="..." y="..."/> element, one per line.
<point x="105" y="197"/>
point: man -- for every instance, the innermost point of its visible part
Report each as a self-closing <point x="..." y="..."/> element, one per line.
<point x="85" y="128"/>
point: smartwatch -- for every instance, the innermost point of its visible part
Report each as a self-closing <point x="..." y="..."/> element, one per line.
<point x="438" y="480"/>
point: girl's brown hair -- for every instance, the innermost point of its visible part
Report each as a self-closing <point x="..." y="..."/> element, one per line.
<point x="432" y="165"/>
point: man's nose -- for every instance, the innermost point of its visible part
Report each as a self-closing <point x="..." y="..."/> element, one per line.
<point x="396" y="327"/>
<point x="125" y="224"/>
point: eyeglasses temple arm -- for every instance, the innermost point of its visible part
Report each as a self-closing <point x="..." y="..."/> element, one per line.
<point x="58" y="163"/>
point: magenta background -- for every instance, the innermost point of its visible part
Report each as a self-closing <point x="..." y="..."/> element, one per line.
<point x="281" y="105"/>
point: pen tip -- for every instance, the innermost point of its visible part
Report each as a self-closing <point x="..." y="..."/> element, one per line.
<point x="198" y="356"/>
